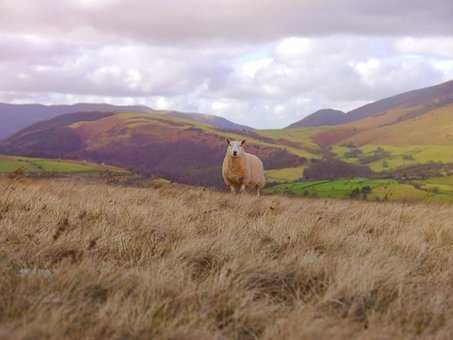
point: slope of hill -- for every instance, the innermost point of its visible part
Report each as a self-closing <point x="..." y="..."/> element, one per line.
<point x="421" y="101"/>
<point x="155" y="144"/>
<point x="15" y="117"/>
<point x="95" y="261"/>
<point x="418" y="117"/>
<point x="320" y="118"/>
<point x="433" y="127"/>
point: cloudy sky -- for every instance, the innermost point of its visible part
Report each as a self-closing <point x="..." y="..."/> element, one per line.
<point x="264" y="63"/>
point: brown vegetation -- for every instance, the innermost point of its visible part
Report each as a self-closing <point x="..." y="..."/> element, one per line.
<point x="92" y="261"/>
<point x="335" y="136"/>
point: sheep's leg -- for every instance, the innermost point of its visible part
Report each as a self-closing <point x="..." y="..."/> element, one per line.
<point x="258" y="193"/>
<point x="233" y="190"/>
<point x="242" y="188"/>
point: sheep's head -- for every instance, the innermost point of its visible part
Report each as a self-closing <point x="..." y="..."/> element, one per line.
<point x="235" y="148"/>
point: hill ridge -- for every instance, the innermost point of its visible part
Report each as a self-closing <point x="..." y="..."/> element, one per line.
<point x="16" y="117"/>
<point x="320" y="118"/>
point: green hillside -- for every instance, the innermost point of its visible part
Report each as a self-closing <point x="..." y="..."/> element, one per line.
<point x="390" y="157"/>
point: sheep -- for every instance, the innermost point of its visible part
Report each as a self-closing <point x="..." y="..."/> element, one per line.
<point x="242" y="170"/>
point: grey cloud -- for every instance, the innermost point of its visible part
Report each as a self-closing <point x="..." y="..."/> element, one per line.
<point x="174" y="21"/>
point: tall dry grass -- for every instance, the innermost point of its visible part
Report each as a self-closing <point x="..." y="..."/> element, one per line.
<point x="93" y="261"/>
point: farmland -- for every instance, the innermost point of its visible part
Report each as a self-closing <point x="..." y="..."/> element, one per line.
<point x="432" y="190"/>
<point x="393" y="157"/>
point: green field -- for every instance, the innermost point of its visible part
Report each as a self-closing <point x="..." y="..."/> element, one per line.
<point x="398" y="156"/>
<point x="432" y="190"/>
<point x="9" y="164"/>
<point x="327" y="188"/>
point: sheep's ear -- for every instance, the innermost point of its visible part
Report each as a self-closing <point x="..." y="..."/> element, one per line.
<point x="242" y="142"/>
<point x="228" y="141"/>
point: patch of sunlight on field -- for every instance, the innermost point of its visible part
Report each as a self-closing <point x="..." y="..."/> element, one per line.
<point x="285" y="175"/>
<point x="10" y="164"/>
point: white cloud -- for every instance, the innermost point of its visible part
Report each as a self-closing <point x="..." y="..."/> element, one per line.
<point x="293" y="48"/>
<point x="434" y="46"/>
<point x="249" y="69"/>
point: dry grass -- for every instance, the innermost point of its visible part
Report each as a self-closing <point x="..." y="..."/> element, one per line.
<point x="92" y="261"/>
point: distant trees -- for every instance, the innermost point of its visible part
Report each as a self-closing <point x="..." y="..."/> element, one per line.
<point x="421" y="171"/>
<point x="362" y="193"/>
<point x="378" y="154"/>
<point x="408" y="157"/>
<point x="334" y="168"/>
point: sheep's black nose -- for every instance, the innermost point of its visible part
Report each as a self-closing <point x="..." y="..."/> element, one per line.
<point x="235" y="153"/>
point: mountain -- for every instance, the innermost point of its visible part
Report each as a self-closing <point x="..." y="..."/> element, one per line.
<point x="15" y="117"/>
<point x="422" y="116"/>
<point x="402" y="107"/>
<point x="320" y="118"/>
<point x="152" y="144"/>
<point x="419" y="101"/>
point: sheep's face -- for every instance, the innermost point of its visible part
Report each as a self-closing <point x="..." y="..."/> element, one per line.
<point x="235" y="148"/>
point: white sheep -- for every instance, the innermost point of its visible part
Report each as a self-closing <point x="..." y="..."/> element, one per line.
<point x="242" y="170"/>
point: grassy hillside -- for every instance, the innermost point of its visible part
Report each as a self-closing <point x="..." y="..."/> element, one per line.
<point x="397" y="127"/>
<point x="433" y="127"/>
<point x="274" y="139"/>
<point x="10" y="164"/>
<point x="94" y="261"/>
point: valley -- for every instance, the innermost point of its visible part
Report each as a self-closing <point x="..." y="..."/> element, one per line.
<point x="392" y="146"/>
